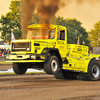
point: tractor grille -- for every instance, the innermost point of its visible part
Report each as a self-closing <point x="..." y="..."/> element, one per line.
<point x="23" y="46"/>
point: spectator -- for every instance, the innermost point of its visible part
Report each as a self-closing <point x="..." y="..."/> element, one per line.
<point x="8" y="51"/>
<point x="3" y="54"/>
<point x="2" y="49"/>
<point x="5" y="51"/>
<point x="0" y="52"/>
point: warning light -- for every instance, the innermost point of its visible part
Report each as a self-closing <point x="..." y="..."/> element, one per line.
<point x="53" y="46"/>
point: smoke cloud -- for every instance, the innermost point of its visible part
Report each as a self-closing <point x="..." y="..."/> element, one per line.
<point x="46" y="9"/>
<point x="91" y="2"/>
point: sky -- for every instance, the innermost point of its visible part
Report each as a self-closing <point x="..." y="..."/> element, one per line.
<point x="4" y="6"/>
<point x="87" y="13"/>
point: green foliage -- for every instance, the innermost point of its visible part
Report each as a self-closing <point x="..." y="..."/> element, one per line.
<point x="5" y="28"/>
<point x="74" y="29"/>
<point x="11" y="21"/>
<point x="94" y="35"/>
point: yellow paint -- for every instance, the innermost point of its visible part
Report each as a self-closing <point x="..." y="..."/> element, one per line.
<point x="77" y="55"/>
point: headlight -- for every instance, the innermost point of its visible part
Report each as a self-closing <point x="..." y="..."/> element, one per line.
<point x="7" y="57"/>
<point x="33" y="56"/>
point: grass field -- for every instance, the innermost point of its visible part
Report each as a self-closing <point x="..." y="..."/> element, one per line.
<point x="4" y="63"/>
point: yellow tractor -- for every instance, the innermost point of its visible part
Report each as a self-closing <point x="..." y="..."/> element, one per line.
<point x="46" y="47"/>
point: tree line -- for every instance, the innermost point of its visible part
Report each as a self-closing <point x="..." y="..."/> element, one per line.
<point x="11" y="21"/>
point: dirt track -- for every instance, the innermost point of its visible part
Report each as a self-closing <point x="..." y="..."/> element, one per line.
<point x="46" y="87"/>
<point x="5" y="67"/>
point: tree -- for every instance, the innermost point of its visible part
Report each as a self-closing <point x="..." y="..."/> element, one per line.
<point x="94" y="35"/>
<point x="11" y="21"/>
<point x="15" y="18"/>
<point x="5" y="28"/>
<point x="74" y="29"/>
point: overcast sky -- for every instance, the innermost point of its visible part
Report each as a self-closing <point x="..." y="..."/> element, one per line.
<point x="4" y="6"/>
<point x="87" y="13"/>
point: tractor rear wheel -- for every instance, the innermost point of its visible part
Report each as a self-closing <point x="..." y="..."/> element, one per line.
<point x="93" y="73"/>
<point x="59" y="74"/>
<point x="65" y="74"/>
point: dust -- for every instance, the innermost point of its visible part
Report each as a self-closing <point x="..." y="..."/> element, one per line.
<point x="46" y="10"/>
<point x="90" y="2"/>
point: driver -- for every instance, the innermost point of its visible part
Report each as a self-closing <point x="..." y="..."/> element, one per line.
<point x="52" y="35"/>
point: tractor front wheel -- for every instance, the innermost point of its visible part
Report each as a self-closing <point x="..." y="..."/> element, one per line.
<point x="51" y="65"/>
<point x="19" y="68"/>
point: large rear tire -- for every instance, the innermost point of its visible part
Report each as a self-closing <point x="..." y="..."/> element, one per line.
<point x="93" y="73"/>
<point x="70" y="74"/>
<point x="51" y="65"/>
<point x="19" y="68"/>
<point x="64" y="74"/>
<point x="59" y="74"/>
